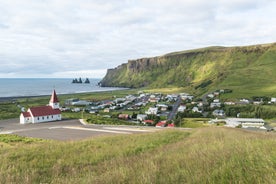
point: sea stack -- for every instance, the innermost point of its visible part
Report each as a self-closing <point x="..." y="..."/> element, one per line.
<point x="87" y="81"/>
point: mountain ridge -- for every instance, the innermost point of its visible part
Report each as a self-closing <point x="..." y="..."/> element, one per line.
<point x="229" y="67"/>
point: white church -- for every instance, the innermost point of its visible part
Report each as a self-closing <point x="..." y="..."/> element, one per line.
<point x="41" y="114"/>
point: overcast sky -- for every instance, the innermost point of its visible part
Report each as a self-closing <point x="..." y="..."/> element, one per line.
<point x="83" y="38"/>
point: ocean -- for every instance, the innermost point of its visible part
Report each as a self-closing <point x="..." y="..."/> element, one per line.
<point x="15" y="87"/>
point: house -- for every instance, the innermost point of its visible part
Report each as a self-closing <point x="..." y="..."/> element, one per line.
<point x="181" y="108"/>
<point x="123" y="116"/>
<point x="162" y="107"/>
<point x="152" y="110"/>
<point x="161" y="124"/>
<point x="273" y="100"/>
<point x="257" y="102"/>
<point x="244" y="101"/>
<point x="153" y="99"/>
<point x="171" y="125"/>
<point x="76" y="109"/>
<point x="216" y="100"/>
<point x="50" y="112"/>
<point x="215" y="104"/>
<point x="218" y="113"/>
<point x="210" y="95"/>
<point x="186" y="96"/>
<point x="195" y="109"/>
<point x="148" y="122"/>
<point x="141" y="117"/>
<point x="244" y="122"/>
<point x="229" y="103"/>
<point x="106" y="110"/>
<point x="119" y="100"/>
<point x="131" y="98"/>
<point x="216" y="93"/>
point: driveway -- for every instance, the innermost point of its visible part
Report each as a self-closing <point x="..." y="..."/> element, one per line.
<point x="66" y="129"/>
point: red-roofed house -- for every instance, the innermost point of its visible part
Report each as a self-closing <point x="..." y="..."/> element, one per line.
<point x="161" y="124"/>
<point x="41" y="114"/>
<point x="148" y="121"/>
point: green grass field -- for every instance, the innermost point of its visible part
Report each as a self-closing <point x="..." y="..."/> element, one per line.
<point x="207" y="155"/>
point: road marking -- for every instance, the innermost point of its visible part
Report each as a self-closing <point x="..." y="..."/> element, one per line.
<point x="96" y="130"/>
<point x="128" y="129"/>
<point x="56" y="127"/>
<point x="5" y="132"/>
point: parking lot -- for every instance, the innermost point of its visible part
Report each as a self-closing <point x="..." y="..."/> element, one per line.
<point x="66" y="130"/>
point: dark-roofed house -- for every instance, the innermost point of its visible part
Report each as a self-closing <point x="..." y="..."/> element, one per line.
<point x="41" y="114"/>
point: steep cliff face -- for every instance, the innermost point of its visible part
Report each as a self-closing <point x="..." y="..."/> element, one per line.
<point x="193" y="68"/>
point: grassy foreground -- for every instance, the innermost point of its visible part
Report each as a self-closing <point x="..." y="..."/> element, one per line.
<point x="207" y="155"/>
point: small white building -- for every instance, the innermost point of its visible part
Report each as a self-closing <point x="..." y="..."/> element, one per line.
<point x="273" y="100"/>
<point x="215" y="104"/>
<point x="41" y="114"/>
<point x="141" y="117"/>
<point x="218" y="113"/>
<point x="181" y="108"/>
<point x="163" y="107"/>
<point x="196" y="109"/>
<point x="152" y="110"/>
<point x="186" y="96"/>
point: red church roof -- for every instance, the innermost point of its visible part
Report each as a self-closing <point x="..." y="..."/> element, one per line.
<point x="54" y="98"/>
<point x="44" y="111"/>
<point x="26" y="114"/>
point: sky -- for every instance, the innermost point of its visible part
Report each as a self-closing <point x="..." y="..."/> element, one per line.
<point x="69" y="38"/>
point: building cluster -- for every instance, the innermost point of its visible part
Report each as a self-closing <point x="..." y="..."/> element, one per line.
<point x="147" y="108"/>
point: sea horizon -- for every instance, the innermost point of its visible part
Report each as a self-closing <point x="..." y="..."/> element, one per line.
<point x="24" y="87"/>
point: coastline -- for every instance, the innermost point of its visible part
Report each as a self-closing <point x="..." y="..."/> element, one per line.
<point x="15" y="98"/>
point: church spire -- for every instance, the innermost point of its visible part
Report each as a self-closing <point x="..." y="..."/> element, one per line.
<point x="54" y="98"/>
<point x="54" y="101"/>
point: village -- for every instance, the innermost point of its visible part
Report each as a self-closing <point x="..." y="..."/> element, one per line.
<point x="159" y="110"/>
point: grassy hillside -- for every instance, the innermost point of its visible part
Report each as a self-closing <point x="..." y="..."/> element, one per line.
<point x="247" y="70"/>
<point x="207" y="155"/>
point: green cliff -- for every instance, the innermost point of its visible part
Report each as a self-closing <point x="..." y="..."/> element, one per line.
<point x="247" y="67"/>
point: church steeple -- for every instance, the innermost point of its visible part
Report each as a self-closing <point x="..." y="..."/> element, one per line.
<point x="54" y="101"/>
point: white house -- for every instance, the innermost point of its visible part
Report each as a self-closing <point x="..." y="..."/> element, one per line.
<point x="195" y="109"/>
<point x="181" y="108"/>
<point x="163" y="107"/>
<point x="273" y="100"/>
<point x="41" y="114"/>
<point x="141" y="117"/>
<point x="152" y="110"/>
<point x="215" y="104"/>
<point x="218" y="113"/>
<point x="186" y="96"/>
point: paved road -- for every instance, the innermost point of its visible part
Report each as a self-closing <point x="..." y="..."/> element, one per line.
<point x="174" y="109"/>
<point x="66" y="129"/>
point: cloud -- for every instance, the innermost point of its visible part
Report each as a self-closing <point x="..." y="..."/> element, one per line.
<point x="59" y="38"/>
<point x="81" y="73"/>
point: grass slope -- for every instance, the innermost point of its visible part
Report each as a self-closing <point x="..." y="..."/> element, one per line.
<point x="207" y="155"/>
<point x="247" y="70"/>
